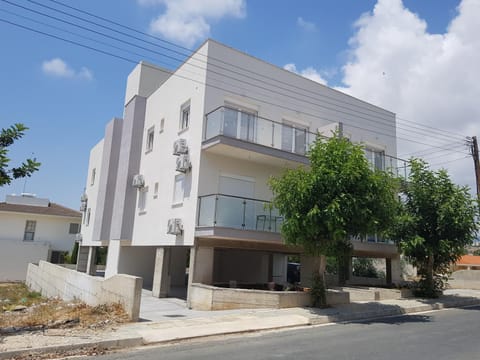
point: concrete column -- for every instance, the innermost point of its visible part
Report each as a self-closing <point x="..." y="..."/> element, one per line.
<point x="203" y="267"/>
<point x="82" y="258"/>
<point x="388" y="271"/>
<point x="279" y="268"/>
<point x="396" y="270"/>
<point x="161" y="275"/>
<point x="349" y="268"/>
<point x="113" y="258"/>
<point x="91" y="268"/>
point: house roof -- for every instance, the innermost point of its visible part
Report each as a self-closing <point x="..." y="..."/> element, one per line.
<point x="469" y="260"/>
<point x="51" y="209"/>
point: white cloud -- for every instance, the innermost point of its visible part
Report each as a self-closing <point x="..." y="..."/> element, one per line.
<point x="429" y="78"/>
<point x="59" y="68"/>
<point x="309" y="73"/>
<point x="188" y="21"/>
<point x="306" y="25"/>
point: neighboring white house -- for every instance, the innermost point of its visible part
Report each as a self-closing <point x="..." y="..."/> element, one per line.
<point x="184" y="174"/>
<point x="33" y="229"/>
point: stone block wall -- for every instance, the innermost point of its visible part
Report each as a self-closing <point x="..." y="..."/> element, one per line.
<point x="56" y="281"/>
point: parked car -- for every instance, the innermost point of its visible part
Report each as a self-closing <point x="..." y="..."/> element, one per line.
<point x="293" y="273"/>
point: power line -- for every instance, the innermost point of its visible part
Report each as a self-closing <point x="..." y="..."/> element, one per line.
<point x="449" y="161"/>
<point x="438" y="131"/>
<point x="180" y="76"/>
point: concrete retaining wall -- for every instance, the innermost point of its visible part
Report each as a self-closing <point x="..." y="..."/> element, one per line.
<point x="465" y="279"/>
<point x="56" y="281"/>
<point x="375" y="294"/>
<point x="206" y="297"/>
<point x="16" y="255"/>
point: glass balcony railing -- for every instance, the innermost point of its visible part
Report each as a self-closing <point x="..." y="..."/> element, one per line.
<point x="238" y="213"/>
<point x="249" y="127"/>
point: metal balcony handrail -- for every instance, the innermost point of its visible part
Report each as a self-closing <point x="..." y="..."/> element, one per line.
<point x="300" y="127"/>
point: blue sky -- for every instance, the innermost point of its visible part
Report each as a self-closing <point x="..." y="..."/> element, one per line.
<point x="66" y="94"/>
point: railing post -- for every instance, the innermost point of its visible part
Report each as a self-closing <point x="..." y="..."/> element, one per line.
<point x="244" y="210"/>
<point x="215" y="211"/>
<point x="269" y="218"/>
<point x="222" y="115"/>
<point x="273" y="134"/>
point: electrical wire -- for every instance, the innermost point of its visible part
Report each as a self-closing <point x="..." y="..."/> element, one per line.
<point x="133" y="61"/>
<point x="439" y="132"/>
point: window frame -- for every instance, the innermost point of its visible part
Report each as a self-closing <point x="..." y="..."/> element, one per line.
<point x="93" y="176"/>
<point x="142" y="200"/>
<point x="70" y="228"/>
<point x="185" y="109"/>
<point x="179" y="179"/>
<point x="295" y="129"/>
<point x="150" y="139"/>
<point x="30" y="230"/>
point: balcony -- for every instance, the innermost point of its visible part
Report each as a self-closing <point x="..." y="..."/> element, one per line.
<point x="237" y="218"/>
<point x="245" y="135"/>
<point x="263" y="139"/>
<point x="373" y="246"/>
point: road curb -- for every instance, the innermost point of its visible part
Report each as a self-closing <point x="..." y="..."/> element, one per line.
<point x="310" y="320"/>
<point x="88" y="345"/>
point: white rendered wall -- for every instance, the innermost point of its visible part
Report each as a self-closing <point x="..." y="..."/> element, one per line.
<point x="95" y="162"/>
<point x="15" y="257"/>
<point x="52" y="230"/>
<point x="158" y="165"/>
<point x="307" y="102"/>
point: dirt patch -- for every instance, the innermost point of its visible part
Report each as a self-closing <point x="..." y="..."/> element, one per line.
<point x="23" y="310"/>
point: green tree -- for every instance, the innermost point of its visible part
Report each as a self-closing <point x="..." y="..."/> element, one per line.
<point x="336" y="197"/>
<point x="29" y="166"/>
<point x="437" y="222"/>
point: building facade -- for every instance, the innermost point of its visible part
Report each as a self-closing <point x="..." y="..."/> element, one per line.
<point x="181" y="181"/>
<point x="33" y="229"/>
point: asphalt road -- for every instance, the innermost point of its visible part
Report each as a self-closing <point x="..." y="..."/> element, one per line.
<point x="448" y="334"/>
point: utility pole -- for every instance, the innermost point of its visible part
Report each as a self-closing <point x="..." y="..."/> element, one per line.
<point x="476" y="162"/>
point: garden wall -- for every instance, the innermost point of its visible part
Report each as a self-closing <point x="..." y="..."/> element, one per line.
<point x="206" y="297"/>
<point x="56" y="281"/>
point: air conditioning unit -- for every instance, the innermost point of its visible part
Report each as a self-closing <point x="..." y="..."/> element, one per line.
<point x="83" y="207"/>
<point x="183" y="163"/>
<point x="175" y="226"/>
<point x="78" y="237"/>
<point x="180" y="147"/>
<point x="138" y="181"/>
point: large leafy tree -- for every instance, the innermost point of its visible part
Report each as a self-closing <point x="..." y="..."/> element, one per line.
<point x="338" y="196"/>
<point x="437" y="222"/>
<point x="7" y="137"/>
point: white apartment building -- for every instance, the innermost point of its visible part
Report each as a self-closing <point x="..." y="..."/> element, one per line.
<point x="34" y="229"/>
<point x="183" y="176"/>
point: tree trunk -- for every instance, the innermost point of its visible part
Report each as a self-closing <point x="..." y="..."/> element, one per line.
<point x="430" y="286"/>
<point x="319" y="289"/>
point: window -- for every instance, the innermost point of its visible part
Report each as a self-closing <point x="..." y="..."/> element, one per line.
<point x="142" y="199"/>
<point x="150" y="138"/>
<point x="185" y="116"/>
<point x="74" y="228"/>
<point x="179" y="189"/>
<point x="29" y="234"/>
<point x="239" y="124"/>
<point x="92" y="179"/>
<point x="87" y="217"/>
<point x="294" y="139"/>
<point x="162" y="125"/>
<point x="155" y="191"/>
<point x="376" y="158"/>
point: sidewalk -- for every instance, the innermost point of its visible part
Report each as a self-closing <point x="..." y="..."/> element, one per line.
<point x="182" y="326"/>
